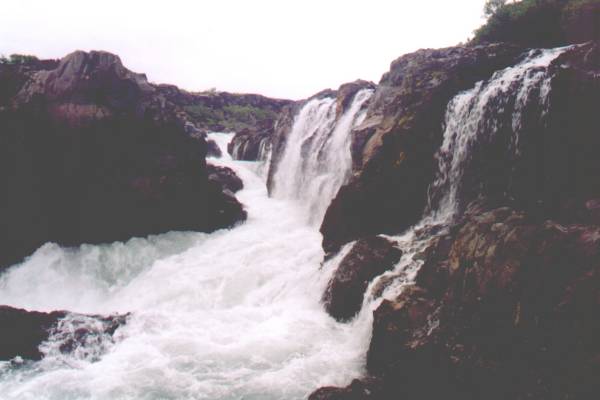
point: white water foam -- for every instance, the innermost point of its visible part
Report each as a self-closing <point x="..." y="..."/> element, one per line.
<point x="316" y="161"/>
<point x="229" y="315"/>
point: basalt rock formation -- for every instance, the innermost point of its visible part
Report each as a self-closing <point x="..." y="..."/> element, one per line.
<point x="91" y="152"/>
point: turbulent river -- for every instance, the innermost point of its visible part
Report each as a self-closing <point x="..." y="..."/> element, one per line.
<point x="236" y="314"/>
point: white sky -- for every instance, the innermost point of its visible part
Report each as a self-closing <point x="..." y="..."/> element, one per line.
<point x="285" y="48"/>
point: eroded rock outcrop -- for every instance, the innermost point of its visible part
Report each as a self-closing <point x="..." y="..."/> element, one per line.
<point x="91" y="152"/>
<point x="368" y="258"/>
<point x="393" y="149"/>
<point x="225" y="177"/>
<point x="505" y="307"/>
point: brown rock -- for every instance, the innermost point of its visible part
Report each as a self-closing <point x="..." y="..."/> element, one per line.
<point x="368" y="258"/>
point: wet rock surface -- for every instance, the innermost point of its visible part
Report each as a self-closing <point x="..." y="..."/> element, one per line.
<point x="23" y="332"/>
<point x="225" y="177"/>
<point x="393" y="149"/>
<point x="506" y="303"/>
<point x="368" y="258"/>
<point x="505" y="307"/>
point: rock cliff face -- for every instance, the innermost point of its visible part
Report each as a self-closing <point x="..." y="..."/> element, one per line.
<point x="505" y="307"/>
<point x="393" y="150"/>
<point x="91" y="152"/>
<point x="506" y="303"/>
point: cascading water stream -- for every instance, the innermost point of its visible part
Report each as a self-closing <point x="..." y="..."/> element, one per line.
<point x="472" y="120"/>
<point x="316" y="161"/>
<point x="228" y="315"/>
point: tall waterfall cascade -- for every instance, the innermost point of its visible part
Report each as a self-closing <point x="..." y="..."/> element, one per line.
<point x="317" y="161"/>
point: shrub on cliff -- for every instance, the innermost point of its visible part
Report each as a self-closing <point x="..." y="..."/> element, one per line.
<point x="18" y="59"/>
<point x="540" y="23"/>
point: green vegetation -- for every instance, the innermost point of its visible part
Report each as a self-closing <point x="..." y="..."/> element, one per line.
<point x="17" y="59"/>
<point x="540" y="23"/>
<point x="231" y="117"/>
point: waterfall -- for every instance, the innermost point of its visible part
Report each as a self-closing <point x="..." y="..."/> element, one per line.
<point x="316" y="160"/>
<point x="234" y="314"/>
<point x="472" y="119"/>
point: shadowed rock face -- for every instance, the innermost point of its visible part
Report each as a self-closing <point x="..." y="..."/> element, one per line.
<point x="225" y="177"/>
<point x="393" y="149"/>
<point x="368" y="258"/>
<point x="23" y="331"/>
<point x="90" y="152"/>
<point x="506" y="303"/>
<point x="505" y="307"/>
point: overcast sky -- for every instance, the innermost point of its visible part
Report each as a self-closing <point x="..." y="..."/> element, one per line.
<point x="280" y="48"/>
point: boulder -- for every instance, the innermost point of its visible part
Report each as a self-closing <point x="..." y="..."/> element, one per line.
<point x="90" y="152"/>
<point x="24" y="331"/>
<point x="368" y="258"/>
<point x="225" y="177"/>
<point x="359" y="389"/>
<point x="212" y="149"/>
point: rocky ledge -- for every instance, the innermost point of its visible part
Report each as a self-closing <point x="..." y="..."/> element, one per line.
<point x="393" y="149"/>
<point x="505" y="307"/>
<point x="91" y="152"/>
<point x="506" y="304"/>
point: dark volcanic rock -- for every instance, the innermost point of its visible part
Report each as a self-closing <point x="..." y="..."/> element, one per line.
<point x="505" y="307"/>
<point x="368" y="258"/>
<point x="212" y="149"/>
<point x="359" y="389"/>
<point x="23" y="332"/>
<point x="250" y="145"/>
<point x="225" y="177"/>
<point x="393" y="149"/>
<point x="345" y="94"/>
<point x="91" y="152"/>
